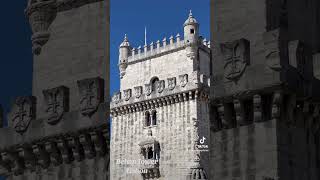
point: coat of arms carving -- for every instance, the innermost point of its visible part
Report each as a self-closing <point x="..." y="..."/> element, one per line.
<point x="127" y="94"/>
<point x="183" y="80"/>
<point x="22" y="113"/>
<point x="91" y="92"/>
<point x="116" y="97"/>
<point x="148" y="89"/>
<point x="160" y="86"/>
<point x="138" y="91"/>
<point x="57" y="102"/>
<point x="236" y="57"/>
<point x="172" y="83"/>
<point x="272" y="49"/>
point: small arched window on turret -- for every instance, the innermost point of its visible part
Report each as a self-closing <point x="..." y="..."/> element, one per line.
<point x="154" y="117"/>
<point x="153" y="83"/>
<point x="192" y="31"/>
<point x="147" y="119"/>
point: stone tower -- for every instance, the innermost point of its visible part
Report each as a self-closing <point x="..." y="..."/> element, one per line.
<point x="265" y="90"/>
<point x="160" y="116"/>
<point x="61" y="131"/>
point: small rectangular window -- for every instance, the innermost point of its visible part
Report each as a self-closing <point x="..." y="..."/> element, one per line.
<point x="192" y="31"/>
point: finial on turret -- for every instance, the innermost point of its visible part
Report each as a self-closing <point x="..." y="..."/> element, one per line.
<point x="190" y="13"/>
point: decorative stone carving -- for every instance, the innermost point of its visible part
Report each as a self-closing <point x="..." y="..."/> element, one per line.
<point x="91" y="93"/>
<point x="198" y="174"/>
<point x="116" y="97"/>
<point x="257" y="108"/>
<point x="57" y="102"/>
<point x="297" y="55"/>
<point x="172" y="83"/>
<point x="195" y="77"/>
<point x="272" y="49"/>
<point x="42" y="155"/>
<point x="236" y="55"/>
<point x="22" y="113"/>
<point x="41" y="13"/>
<point x="127" y="94"/>
<point x="276" y="104"/>
<point x="237" y="108"/>
<point x="160" y="86"/>
<point x="54" y="153"/>
<point x="138" y="91"/>
<point x="148" y="89"/>
<point x="183" y="80"/>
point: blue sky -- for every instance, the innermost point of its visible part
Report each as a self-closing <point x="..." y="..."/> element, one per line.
<point x="162" y="19"/>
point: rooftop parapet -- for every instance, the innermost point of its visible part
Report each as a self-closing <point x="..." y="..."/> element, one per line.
<point x="162" y="46"/>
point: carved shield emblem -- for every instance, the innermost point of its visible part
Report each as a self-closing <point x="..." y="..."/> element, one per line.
<point x="171" y="83"/>
<point x="236" y="57"/>
<point x="127" y="94"/>
<point x="272" y="49"/>
<point x="183" y="80"/>
<point x="160" y="86"/>
<point x="138" y="91"/>
<point x="57" y="102"/>
<point x="22" y="113"/>
<point x="148" y="89"/>
<point x="116" y="97"/>
<point x="91" y="92"/>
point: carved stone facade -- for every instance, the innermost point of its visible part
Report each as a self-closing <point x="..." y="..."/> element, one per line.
<point x="62" y="132"/>
<point x="264" y="123"/>
<point x="166" y="121"/>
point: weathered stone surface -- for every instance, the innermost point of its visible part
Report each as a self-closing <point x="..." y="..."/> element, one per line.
<point x="62" y="131"/>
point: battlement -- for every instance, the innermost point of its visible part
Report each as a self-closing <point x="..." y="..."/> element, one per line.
<point x="173" y="85"/>
<point x="164" y="46"/>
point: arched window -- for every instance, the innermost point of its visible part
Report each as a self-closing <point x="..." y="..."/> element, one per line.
<point x="147" y="119"/>
<point x="153" y="83"/>
<point x="154" y="118"/>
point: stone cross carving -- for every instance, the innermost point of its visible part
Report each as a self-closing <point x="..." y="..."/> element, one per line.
<point x="22" y="113"/>
<point x="171" y="83"/>
<point x="138" y="91"/>
<point x="127" y="94"/>
<point x="148" y="89"/>
<point x="183" y="80"/>
<point x="272" y="49"/>
<point x="91" y="93"/>
<point x="116" y="97"/>
<point x="57" y="102"/>
<point x="236" y="55"/>
<point x="160" y="86"/>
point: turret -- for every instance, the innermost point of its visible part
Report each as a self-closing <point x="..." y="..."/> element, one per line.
<point x="191" y="29"/>
<point x="124" y="53"/>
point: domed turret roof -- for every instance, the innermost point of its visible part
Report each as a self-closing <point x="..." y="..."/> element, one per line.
<point x="125" y="42"/>
<point x="191" y="20"/>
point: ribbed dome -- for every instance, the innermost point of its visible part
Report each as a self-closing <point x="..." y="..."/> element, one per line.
<point x="125" y="42"/>
<point x="191" y="20"/>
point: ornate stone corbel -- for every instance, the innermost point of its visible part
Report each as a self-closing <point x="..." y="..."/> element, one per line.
<point x="66" y="151"/>
<point x="276" y="104"/>
<point x="54" y="153"/>
<point x="16" y="162"/>
<point x="257" y="110"/>
<point x="88" y="145"/>
<point x="77" y="148"/>
<point x="30" y="158"/>
<point x="91" y="93"/>
<point x="41" y="14"/>
<point x="43" y="158"/>
<point x="57" y="103"/>
<point x="148" y="89"/>
<point x="22" y="113"/>
<point x="100" y="143"/>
